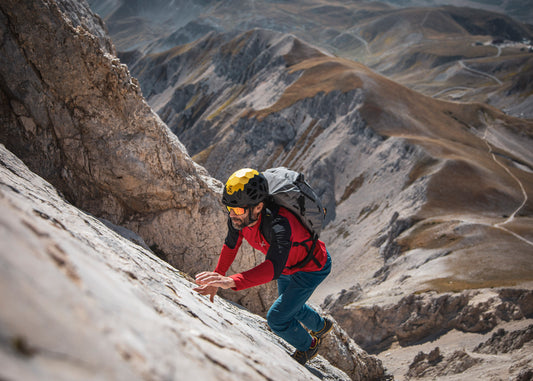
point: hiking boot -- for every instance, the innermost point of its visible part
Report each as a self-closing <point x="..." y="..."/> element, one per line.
<point x="328" y="325"/>
<point x="303" y="357"/>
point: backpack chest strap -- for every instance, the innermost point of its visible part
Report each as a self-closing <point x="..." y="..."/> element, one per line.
<point x="310" y="253"/>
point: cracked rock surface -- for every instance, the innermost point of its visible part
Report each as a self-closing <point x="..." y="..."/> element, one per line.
<point x="81" y="302"/>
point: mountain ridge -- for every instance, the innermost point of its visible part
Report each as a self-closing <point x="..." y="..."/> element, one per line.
<point x="447" y="42"/>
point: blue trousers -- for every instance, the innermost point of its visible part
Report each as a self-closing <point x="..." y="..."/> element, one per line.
<point x="289" y="309"/>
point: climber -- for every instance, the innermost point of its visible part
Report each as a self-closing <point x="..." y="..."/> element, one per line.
<point x="250" y="210"/>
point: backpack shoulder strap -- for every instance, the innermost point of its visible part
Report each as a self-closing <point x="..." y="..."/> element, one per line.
<point x="267" y="216"/>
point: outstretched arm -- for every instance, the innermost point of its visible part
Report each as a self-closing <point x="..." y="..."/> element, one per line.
<point x="226" y="258"/>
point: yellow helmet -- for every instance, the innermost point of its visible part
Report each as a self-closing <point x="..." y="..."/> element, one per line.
<point x="246" y="187"/>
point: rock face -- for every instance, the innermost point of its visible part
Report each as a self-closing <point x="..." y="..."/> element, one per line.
<point x="81" y="302"/>
<point x="72" y="112"/>
<point x="340" y="349"/>
<point x="434" y="364"/>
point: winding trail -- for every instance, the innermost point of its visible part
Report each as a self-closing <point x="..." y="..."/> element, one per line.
<point x="462" y="64"/>
<point x="356" y="35"/>
<point x="465" y="67"/>
<point x="500" y="225"/>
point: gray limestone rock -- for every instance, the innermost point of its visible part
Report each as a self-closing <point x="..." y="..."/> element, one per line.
<point x="505" y="342"/>
<point x="80" y="302"/>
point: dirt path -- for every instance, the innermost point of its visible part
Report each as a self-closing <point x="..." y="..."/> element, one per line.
<point x="474" y="71"/>
<point x="500" y="225"/>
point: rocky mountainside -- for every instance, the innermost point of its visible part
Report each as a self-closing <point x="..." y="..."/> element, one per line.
<point x="80" y="302"/>
<point x="518" y="9"/>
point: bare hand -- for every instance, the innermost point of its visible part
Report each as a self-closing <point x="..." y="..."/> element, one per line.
<point x="209" y="278"/>
<point x="207" y="290"/>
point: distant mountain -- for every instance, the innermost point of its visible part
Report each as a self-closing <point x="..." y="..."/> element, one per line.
<point x="447" y="52"/>
<point x="455" y="54"/>
<point x="518" y="9"/>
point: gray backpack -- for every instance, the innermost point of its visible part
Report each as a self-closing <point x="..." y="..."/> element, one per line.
<point x="289" y="189"/>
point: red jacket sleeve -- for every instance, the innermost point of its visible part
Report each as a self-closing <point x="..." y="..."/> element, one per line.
<point x="226" y="258"/>
<point x="229" y="250"/>
<point x="260" y="274"/>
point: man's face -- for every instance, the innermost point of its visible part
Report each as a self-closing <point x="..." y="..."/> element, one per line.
<point x="240" y="222"/>
<point x="249" y="217"/>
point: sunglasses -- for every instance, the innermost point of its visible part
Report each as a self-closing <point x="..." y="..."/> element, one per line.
<point x="237" y="210"/>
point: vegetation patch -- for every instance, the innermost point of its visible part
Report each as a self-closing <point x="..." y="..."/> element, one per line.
<point x="420" y="169"/>
<point x="366" y="211"/>
<point x="354" y="185"/>
<point x="431" y="235"/>
<point x="202" y="156"/>
<point x="304" y="138"/>
<point x="272" y="159"/>
<point x="453" y="284"/>
<point x="230" y="100"/>
<point x="342" y="232"/>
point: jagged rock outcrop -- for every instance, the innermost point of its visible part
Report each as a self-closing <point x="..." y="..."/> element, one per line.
<point x="427" y="316"/>
<point x="79" y="302"/>
<point x="434" y="364"/>
<point x="505" y="342"/>
<point x="72" y="112"/>
<point x="340" y="349"/>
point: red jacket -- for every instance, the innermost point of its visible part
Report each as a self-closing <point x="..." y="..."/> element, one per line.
<point x="280" y="252"/>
